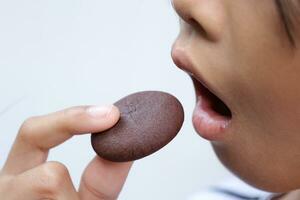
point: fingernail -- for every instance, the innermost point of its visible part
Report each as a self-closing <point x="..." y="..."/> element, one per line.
<point x="99" y="111"/>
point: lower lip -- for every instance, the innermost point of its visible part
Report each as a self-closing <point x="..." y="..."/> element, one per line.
<point x="208" y="123"/>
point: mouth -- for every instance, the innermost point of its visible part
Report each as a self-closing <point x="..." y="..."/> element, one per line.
<point x="211" y="116"/>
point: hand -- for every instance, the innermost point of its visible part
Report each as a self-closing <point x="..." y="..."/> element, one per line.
<point x="27" y="175"/>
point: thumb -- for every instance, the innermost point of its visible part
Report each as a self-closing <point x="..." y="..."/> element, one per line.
<point x="103" y="180"/>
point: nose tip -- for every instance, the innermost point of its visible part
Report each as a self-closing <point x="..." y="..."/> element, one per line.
<point x="181" y="58"/>
<point x="175" y="54"/>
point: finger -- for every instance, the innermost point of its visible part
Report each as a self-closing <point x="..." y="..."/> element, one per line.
<point x="38" y="134"/>
<point x="103" y="180"/>
<point x="50" y="180"/>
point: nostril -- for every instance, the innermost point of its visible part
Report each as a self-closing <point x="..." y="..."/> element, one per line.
<point x="198" y="27"/>
<point x="207" y="17"/>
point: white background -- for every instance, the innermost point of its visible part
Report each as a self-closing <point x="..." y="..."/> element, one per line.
<point x="60" y="53"/>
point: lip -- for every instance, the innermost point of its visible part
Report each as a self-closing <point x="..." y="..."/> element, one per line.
<point x="184" y="62"/>
<point x="208" y="123"/>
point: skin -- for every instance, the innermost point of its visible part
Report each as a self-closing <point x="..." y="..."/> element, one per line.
<point x="244" y="53"/>
<point x="242" y="50"/>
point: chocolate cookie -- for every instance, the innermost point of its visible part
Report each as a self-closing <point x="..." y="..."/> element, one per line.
<point x="149" y="120"/>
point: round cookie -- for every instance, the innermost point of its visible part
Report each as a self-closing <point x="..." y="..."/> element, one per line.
<point x="149" y="120"/>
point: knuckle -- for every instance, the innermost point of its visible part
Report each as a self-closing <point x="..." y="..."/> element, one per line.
<point x="53" y="178"/>
<point x="27" y="129"/>
<point x="99" y="194"/>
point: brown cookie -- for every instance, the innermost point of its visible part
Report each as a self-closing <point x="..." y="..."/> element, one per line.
<point x="149" y="120"/>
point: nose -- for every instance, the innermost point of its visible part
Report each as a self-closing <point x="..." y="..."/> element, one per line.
<point x="205" y="15"/>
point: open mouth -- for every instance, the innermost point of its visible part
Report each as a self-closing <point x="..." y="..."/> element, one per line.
<point x="213" y="102"/>
<point x="211" y="116"/>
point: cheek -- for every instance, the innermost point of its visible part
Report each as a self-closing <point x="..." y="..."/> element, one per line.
<point x="264" y="88"/>
<point x="263" y="75"/>
<point x="264" y="147"/>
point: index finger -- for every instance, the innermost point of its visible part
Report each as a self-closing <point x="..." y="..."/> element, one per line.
<point x="40" y="133"/>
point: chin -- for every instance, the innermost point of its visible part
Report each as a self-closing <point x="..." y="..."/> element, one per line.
<point x="254" y="174"/>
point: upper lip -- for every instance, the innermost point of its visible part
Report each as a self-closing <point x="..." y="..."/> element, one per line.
<point x="184" y="61"/>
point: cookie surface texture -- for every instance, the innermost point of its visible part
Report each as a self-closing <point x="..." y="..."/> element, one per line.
<point x="149" y="120"/>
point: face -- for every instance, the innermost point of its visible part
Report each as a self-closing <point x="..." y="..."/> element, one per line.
<point x="244" y="61"/>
